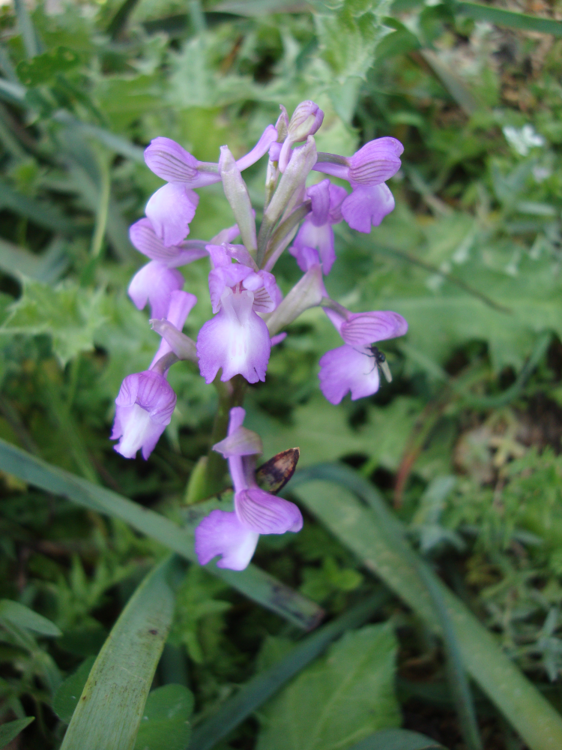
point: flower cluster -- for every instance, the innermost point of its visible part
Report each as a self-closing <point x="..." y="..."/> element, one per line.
<point x="249" y="310"/>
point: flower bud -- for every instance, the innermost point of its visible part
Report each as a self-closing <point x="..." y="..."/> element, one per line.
<point x="305" y="121"/>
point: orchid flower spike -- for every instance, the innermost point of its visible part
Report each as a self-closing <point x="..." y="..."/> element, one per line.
<point x="234" y="535"/>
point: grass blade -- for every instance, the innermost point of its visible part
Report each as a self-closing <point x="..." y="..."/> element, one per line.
<point x="380" y="545"/>
<point x="31" y="41"/>
<point x="10" y="731"/>
<point x="111" y="706"/>
<point x="256" y="692"/>
<point x="45" y="216"/>
<point x="508" y="18"/>
<point x="253" y="582"/>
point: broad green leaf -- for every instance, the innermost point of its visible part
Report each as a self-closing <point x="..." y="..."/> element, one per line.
<point x="26" y="618"/>
<point x="10" y="731"/>
<point x="253" y="582"/>
<point x="397" y="739"/>
<point x="377" y="540"/>
<point x="339" y="700"/>
<point x="68" y="313"/>
<point x="42" y="68"/>
<point x="112" y="703"/>
<point x="165" y="723"/>
<point x="285" y="666"/>
<point x="67" y="696"/>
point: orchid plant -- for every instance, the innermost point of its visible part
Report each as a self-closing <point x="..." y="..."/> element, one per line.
<point x="250" y="314"/>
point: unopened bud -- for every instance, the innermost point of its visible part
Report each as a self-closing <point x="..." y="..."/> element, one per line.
<point x="237" y="195"/>
<point x="305" y="121"/>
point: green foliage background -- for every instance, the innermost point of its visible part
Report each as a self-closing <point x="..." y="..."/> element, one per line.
<point x="464" y="444"/>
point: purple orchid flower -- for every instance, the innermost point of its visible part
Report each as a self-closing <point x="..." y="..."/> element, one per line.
<point x="144" y="408"/>
<point x="354" y="367"/>
<point x="316" y="230"/>
<point x="234" y="535"/>
<point x="154" y="284"/>
<point x="367" y="171"/>
<point x="146" y="241"/>
<point x="236" y="339"/>
<point x="173" y="163"/>
<point x="170" y="210"/>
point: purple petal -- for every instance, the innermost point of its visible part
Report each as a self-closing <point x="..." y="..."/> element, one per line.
<point x="361" y="329"/>
<point x="221" y="533"/>
<point x="144" y="407"/>
<point x="154" y="283"/>
<point x="347" y="369"/>
<point x="170" y="161"/>
<point x="268" y="137"/>
<point x="367" y="206"/>
<point x="319" y="237"/>
<point x="170" y="211"/>
<point x="181" y="304"/>
<point x="306" y="256"/>
<point x="240" y="441"/>
<point x="236" y="340"/>
<point x="278" y="339"/>
<point x="376" y="162"/>
<point x="267" y="294"/>
<point x="225" y="236"/>
<point x="223" y="277"/>
<point x="337" y="196"/>
<point x="146" y="241"/>
<point x="320" y="198"/>
<point x="265" y="513"/>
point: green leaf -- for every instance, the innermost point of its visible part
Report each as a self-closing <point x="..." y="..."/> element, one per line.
<point x="112" y="703"/>
<point x="253" y="582"/>
<point x="348" y="32"/>
<point x="42" y="68"/>
<point x="397" y="739"/>
<point x="66" y="698"/>
<point x="339" y="700"/>
<point x="165" y="724"/>
<point x="503" y="17"/>
<point x="378" y="541"/>
<point x="11" y="730"/>
<point x="26" y="618"/>
<point x="41" y="213"/>
<point x="256" y="692"/>
<point x="68" y="313"/>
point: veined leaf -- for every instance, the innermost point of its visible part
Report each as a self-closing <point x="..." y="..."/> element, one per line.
<point x="339" y="700"/>
<point x="165" y="722"/>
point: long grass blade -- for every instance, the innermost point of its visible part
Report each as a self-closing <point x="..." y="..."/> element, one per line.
<point x="381" y="546"/>
<point x="502" y="17"/>
<point x="253" y="582"/>
<point x="111" y="706"/>
<point x="256" y="692"/>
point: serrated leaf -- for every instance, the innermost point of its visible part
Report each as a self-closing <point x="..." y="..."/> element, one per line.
<point x="68" y="313"/>
<point x="165" y="724"/>
<point x="24" y="617"/>
<point x="348" y="32"/>
<point x="11" y="730"/>
<point x="68" y="694"/>
<point x="338" y="701"/>
<point x="42" y="68"/>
